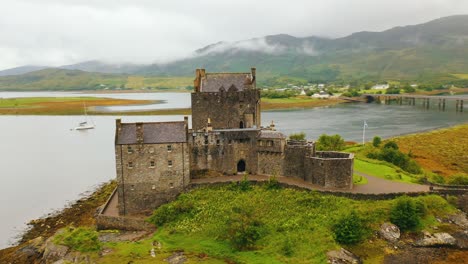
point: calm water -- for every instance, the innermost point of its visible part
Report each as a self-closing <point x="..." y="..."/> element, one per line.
<point x="44" y="164"/>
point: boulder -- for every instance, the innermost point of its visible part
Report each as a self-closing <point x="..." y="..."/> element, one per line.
<point x="436" y="240"/>
<point x="53" y="252"/>
<point x="389" y="232"/>
<point x="342" y="256"/>
<point x="177" y="258"/>
<point x="459" y="220"/>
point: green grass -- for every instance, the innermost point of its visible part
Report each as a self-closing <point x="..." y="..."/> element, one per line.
<point x="30" y="101"/>
<point x="383" y="170"/>
<point x="359" y="180"/>
<point x="300" y="219"/>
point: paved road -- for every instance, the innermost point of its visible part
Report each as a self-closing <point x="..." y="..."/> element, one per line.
<point x="378" y="185"/>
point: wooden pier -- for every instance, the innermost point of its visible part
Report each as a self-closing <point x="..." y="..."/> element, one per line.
<point x="424" y="100"/>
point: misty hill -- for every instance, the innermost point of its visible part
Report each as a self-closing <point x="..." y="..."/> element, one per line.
<point x="21" y="70"/>
<point x="429" y="51"/>
<point x="411" y="52"/>
<point x="62" y="79"/>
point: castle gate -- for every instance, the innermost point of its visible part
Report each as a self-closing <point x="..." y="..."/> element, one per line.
<point x="241" y="166"/>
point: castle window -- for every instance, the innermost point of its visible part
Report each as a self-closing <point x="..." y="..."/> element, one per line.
<point x="129" y="149"/>
<point x="269" y="143"/>
<point x="206" y="140"/>
<point x="261" y="143"/>
<point x="230" y="142"/>
<point x="130" y="165"/>
<point x="152" y="163"/>
<point x="217" y="142"/>
<point x="169" y="163"/>
<point x="169" y="148"/>
<point x="171" y="185"/>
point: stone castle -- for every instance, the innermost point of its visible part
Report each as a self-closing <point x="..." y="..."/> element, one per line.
<point x="156" y="161"/>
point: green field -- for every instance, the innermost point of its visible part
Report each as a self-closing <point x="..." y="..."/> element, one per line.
<point x="296" y="226"/>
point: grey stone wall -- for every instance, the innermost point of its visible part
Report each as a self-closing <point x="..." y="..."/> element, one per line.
<point x="221" y="151"/>
<point x="294" y="160"/>
<point x="143" y="187"/>
<point x="104" y="222"/>
<point x="270" y="163"/>
<point x="330" y="169"/>
<point x="226" y="109"/>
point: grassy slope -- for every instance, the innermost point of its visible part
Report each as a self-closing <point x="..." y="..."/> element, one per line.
<point x="58" y="79"/>
<point x="301" y="219"/>
<point x="440" y="151"/>
<point x="297" y="102"/>
<point x="57" y="105"/>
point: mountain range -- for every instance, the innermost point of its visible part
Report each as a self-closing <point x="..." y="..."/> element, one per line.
<point x="430" y="51"/>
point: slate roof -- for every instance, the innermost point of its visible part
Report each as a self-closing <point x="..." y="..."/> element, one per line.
<point x="153" y="133"/>
<point x="271" y="134"/>
<point x="214" y="81"/>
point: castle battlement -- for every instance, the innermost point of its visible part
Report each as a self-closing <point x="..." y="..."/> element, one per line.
<point x="155" y="161"/>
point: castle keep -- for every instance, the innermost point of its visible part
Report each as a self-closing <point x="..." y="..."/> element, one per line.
<point x="156" y="161"/>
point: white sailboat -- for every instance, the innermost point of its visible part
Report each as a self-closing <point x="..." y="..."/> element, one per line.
<point x="85" y="125"/>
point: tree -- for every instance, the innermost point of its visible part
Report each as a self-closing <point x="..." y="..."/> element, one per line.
<point x="376" y="141"/>
<point x="243" y="228"/>
<point x="405" y="214"/>
<point x="330" y="143"/>
<point x="297" y="136"/>
<point x="349" y="229"/>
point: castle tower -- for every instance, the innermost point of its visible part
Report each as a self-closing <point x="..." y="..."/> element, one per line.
<point x="228" y="100"/>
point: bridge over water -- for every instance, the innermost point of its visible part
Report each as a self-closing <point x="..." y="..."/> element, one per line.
<point x="425" y="100"/>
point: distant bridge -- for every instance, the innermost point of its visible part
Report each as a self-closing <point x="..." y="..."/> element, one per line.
<point x="410" y="99"/>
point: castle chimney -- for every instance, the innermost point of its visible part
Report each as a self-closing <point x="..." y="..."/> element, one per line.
<point x="254" y="73"/>
<point x="202" y="73"/>
<point x="139" y="133"/>
<point x="118" y="124"/>
<point x="186" y="126"/>
<point x="272" y="125"/>
<point x="196" y="82"/>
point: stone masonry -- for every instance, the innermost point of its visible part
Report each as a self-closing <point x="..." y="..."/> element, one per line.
<point x="156" y="161"/>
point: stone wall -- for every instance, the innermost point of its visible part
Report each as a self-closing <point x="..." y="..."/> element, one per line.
<point x="150" y="175"/>
<point x="270" y="163"/>
<point x="330" y="169"/>
<point x="104" y="222"/>
<point x="226" y="109"/>
<point x="294" y="160"/>
<point x="222" y="150"/>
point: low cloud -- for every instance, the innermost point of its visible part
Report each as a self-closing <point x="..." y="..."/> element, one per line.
<point x="57" y="32"/>
<point x="257" y="44"/>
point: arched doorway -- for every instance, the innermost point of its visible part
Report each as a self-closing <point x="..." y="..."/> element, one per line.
<point x="241" y="166"/>
<point x="241" y="124"/>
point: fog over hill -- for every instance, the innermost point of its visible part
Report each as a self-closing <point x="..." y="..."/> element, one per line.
<point x="437" y="47"/>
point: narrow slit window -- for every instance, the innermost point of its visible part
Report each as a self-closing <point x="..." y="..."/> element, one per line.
<point x="169" y="163"/>
<point x="152" y="164"/>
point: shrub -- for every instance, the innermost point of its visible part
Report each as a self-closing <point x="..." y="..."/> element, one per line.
<point x="170" y="212"/>
<point x="298" y="136"/>
<point x="272" y="183"/>
<point x="405" y="214"/>
<point x="80" y="239"/>
<point x="243" y="228"/>
<point x="330" y="143"/>
<point x="391" y="144"/>
<point x="349" y="229"/>
<point x="459" y="179"/>
<point x="376" y="141"/>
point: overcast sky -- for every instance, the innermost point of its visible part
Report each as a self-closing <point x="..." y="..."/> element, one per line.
<point x="58" y="32"/>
